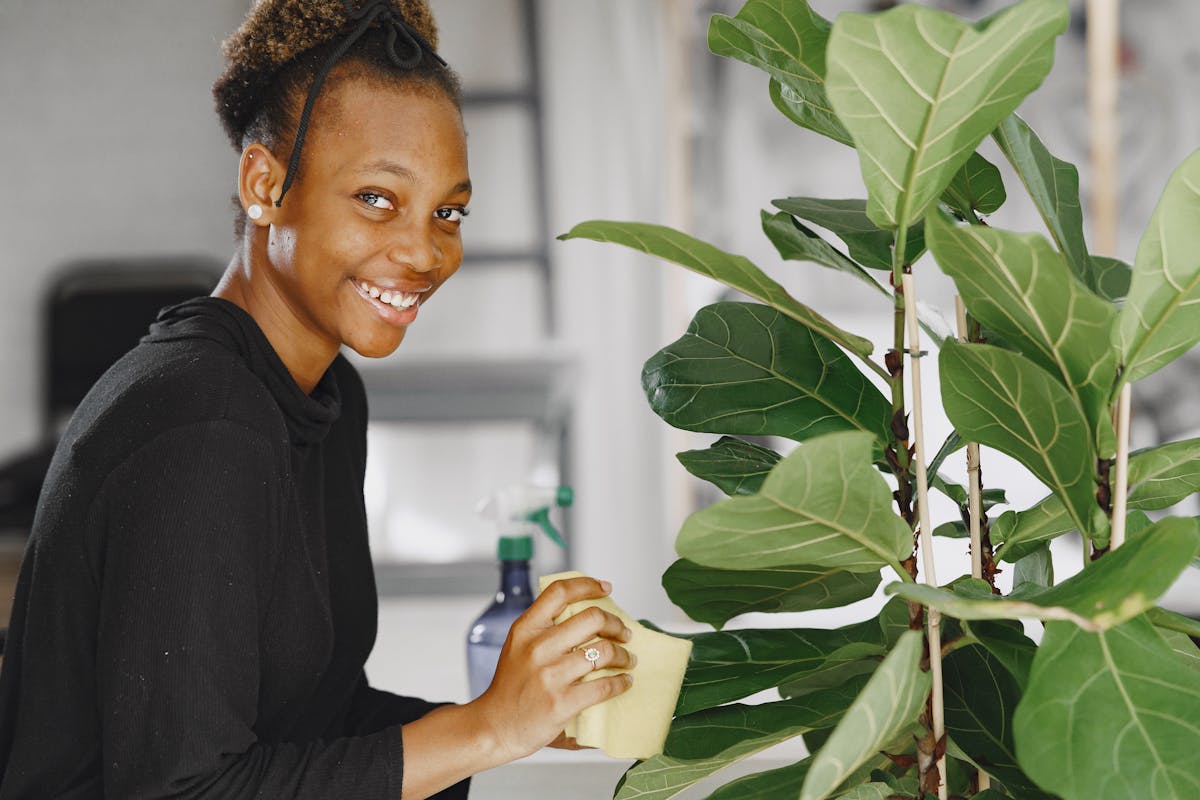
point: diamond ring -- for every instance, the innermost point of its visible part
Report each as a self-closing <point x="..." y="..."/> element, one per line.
<point x="592" y="654"/>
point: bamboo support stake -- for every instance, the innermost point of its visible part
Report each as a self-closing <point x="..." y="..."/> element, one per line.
<point x="1121" y="468"/>
<point x="1103" y="47"/>
<point x="927" y="560"/>
<point x="975" y="501"/>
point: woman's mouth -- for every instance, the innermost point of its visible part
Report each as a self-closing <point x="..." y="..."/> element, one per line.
<point x="395" y="306"/>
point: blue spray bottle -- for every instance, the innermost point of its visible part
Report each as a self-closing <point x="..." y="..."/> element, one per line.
<point x="520" y="511"/>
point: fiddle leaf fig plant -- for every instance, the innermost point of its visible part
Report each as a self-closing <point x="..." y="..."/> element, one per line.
<point x="942" y="694"/>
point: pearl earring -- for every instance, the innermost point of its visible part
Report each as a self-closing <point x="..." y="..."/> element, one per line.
<point x="254" y="211"/>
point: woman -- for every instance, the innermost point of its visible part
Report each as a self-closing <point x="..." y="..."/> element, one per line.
<point x="196" y="603"/>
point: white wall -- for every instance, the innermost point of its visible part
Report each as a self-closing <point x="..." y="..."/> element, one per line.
<point x="109" y="145"/>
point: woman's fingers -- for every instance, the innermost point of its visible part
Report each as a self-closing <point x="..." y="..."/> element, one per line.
<point x="560" y="594"/>
<point x="576" y="664"/>
<point x="589" y="693"/>
<point x="583" y="627"/>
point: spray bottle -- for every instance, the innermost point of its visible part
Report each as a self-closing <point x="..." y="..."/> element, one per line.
<point x="520" y="511"/>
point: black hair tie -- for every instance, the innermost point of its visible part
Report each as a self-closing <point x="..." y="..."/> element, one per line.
<point x="365" y="14"/>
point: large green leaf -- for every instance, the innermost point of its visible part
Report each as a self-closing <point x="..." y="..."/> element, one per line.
<point x="1036" y="567"/>
<point x="823" y="505"/>
<point x="980" y="698"/>
<point x="919" y="89"/>
<point x="848" y="220"/>
<point x="1169" y="620"/>
<point x="976" y="188"/>
<point x="1112" y="277"/>
<point x="730" y="665"/>
<point x="1022" y="532"/>
<point x="703" y="258"/>
<point x="1017" y="285"/>
<point x="1001" y="399"/>
<point x="1110" y="716"/>
<point x="891" y="701"/>
<point x="732" y="465"/>
<point x="769" y="785"/>
<point x="787" y="39"/>
<point x="716" y="596"/>
<point x="1163" y="476"/>
<point x="797" y="242"/>
<point x="1005" y="640"/>
<point x="1116" y="588"/>
<point x="1161" y="316"/>
<point x="1054" y="186"/>
<point x="745" y="368"/>
<point x="704" y="743"/>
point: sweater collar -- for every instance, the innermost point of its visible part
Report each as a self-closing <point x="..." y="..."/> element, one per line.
<point x="308" y="417"/>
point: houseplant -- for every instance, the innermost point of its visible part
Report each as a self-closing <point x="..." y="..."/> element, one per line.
<point x="942" y="694"/>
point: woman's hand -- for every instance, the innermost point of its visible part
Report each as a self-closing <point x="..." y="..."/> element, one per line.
<point x="537" y="688"/>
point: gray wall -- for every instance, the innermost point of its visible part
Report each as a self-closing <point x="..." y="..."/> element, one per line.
<point x="108" y="146"/>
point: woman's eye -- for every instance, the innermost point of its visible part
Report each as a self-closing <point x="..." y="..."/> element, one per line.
<point x="376" y="201"/>
<point x="451" y="214"/>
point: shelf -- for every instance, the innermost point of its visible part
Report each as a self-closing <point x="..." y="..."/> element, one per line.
<point x="470" y="388"/>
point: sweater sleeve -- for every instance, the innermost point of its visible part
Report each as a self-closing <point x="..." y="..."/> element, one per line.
<point x="190" y="521"/>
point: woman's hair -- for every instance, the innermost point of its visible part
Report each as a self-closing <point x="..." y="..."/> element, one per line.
<point x="281" y="47"/>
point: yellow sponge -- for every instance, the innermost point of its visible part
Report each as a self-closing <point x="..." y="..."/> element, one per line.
<point x="635" y="723"/>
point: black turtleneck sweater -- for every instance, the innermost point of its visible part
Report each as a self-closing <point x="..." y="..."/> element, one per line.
<point x="197" y="601"/>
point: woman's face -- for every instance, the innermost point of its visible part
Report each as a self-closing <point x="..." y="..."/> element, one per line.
<point x="371" y="228"/>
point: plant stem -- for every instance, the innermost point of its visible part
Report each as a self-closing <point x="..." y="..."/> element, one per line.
<point x="935" y="618"/>
<point x="1121" y="479"/>
<point x="974" y="506"/>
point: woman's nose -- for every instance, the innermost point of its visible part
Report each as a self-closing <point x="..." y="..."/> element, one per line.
<point x="417" y="250"/>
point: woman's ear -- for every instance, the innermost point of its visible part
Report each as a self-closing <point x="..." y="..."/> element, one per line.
<point x="260" y="176"/>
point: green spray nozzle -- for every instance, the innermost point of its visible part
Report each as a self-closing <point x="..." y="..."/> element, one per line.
<point x="522" y="505"/>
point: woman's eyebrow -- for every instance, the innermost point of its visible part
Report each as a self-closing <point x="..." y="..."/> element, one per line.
<point x="403" y="172"/>
<point x="384" y="165"/>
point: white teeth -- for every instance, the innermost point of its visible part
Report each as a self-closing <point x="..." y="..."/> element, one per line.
<point x="395" y="299"/>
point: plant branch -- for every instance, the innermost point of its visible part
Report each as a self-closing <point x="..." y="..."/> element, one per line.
<point x="983" y="565"/>
<point x="937" y="710"/>
<point x="1121" y="478"/>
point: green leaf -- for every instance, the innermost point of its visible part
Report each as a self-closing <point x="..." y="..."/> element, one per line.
<point x="976" y="188"/>
<point x="980" y="698"/>
<point x="959" y="494"/>
<point x="769" y="785"/>
<point x="892" y="621"/>
<point x="1110" y="716"/>
<point x="1037" y="568"/>
<point x="869" y="791"/>
<point x="1024" y="531"/>
<point x="796" y="242"/>
<point x="1116" y="588"/>
<point x="716" y="596"/>
<point x="919" y="89"/>
<point x="700" y="745"/>
<point x="1169" y="620"/>
<point x="1185" y="649"/>
<point x="1006" y="641"/>
<point x="1112" y="277"/>
<point x="703" y="258"/>
<point x="991" y="794"/>
<point x="1161" y="317"/>
<point x="1160" y="477"/>
<point x="787" y="40"/>
<point x="1000" y="399"/>
<point x="745" y="368"/>
<point x="848" y="220"/>
<point x="1017" y="285"/>
<point x="891" y="701"/>
<point x="1054" y="186"/>
<point x="823" y="505"/>
<point x="733" y="466"/>
<point x="730" y="665"/>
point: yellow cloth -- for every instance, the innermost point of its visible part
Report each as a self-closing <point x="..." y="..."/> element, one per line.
<point x="634" y="724"/>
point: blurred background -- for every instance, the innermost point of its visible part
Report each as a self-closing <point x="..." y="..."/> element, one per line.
<point x="115" y="186"/>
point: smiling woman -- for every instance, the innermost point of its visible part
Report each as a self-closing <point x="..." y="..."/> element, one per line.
<point x="196" y="602"/>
